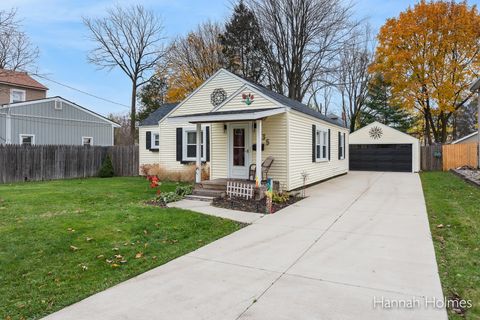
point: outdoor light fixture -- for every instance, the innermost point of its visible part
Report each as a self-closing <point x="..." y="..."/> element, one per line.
<point x="224" y="128"/>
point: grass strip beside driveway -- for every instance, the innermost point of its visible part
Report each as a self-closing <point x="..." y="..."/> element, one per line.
<point x="454" y="214"/>
<point x="62" y="241"/>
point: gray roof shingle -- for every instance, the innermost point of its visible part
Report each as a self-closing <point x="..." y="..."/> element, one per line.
<point x="158" y="114"/>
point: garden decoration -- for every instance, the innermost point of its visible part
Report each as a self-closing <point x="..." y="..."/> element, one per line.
<point x="248" y="98"/>
<point x="269" y="194"/>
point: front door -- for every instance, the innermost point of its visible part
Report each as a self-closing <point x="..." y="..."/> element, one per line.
<point x="239" y="151"/>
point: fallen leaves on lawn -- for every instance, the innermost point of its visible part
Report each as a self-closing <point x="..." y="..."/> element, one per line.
<point x="88" y="239"/>
<point x="73" y="248"/>
<point x="84" y="267"/>
<point x="100" y="256"/>
<point x="115" y="249"/>
<point x="114" y="265"/>
<point x="439" y="226"/>
<point x="70" y="230"/>
<point x="145" y="232"/>
<point x="139" y="255"/>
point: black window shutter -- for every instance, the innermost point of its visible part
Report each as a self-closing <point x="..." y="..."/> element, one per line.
<point x="207" y="134"/>
<point x="328" y="144"/>
<point x="314" y="147"/>
<point x="339" y="145"/>
<point x="148" y="140"/>
<point x="179" y="144"/>
<point x="344" y="147"/>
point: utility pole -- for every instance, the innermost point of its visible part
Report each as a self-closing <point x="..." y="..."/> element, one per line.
<point x="476" y="88"/>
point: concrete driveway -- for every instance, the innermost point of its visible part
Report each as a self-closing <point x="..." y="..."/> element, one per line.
<point x="359" y="247"/>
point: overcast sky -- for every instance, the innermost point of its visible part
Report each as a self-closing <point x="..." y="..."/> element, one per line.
<point x="56" y="27"/>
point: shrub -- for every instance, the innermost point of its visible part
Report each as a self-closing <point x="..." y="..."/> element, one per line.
<point x="106" y="171"/>
<point x="186" y="174"/>
<point x="280" y="197"/>
<point x="177" y="195"/>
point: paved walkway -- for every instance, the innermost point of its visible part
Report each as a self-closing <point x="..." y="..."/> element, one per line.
<point x="356" y="241"/>
<point x="207" y="208"/>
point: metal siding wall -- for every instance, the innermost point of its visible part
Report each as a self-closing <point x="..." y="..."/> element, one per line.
<point x="3" y="127"/>
<point x="59" y="131"/>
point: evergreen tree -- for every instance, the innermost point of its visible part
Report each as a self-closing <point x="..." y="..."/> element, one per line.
<point x="243" y="44"/>
<point x="379" y="108"/>
<point x="151" y="97"/>
<point x="106" y="171"/>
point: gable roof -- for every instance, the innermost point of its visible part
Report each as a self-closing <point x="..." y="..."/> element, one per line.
<point x="20" y="79"/>
<point x="385" y="127"/>
<point x="294" y="104"/>
<point x="277" y="97"/>
<point x="465" y="137"/>
<point x="157" y="115"/>
<point x="73" y="104"/>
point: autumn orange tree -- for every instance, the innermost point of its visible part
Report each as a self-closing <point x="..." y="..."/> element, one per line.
<point x="431" y="55"/>
<point x="193" y="59"/>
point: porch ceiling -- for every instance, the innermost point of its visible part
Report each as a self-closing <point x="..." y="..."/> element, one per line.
<point x="228" y="116"/>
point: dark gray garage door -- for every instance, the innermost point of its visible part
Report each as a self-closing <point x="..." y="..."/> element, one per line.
<point x="381" y="157"/>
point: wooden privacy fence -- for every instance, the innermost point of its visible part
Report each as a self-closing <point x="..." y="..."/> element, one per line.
<point x="448" y="156"/>
<point x="431" y="158"/>
<point x="457" y="155"/>
<point x="37" y="163"/>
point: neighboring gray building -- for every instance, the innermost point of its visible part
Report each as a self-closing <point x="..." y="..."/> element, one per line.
<point x="54" y="121"/>
<point x="471" y="138"/>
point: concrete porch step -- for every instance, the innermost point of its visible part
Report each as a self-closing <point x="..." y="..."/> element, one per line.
<point x="209" y="192"/>
<point x="199" y="198"/>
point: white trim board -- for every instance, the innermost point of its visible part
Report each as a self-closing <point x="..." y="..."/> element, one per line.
<point x="241" y="116"/>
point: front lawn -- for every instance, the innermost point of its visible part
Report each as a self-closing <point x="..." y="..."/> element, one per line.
<point x="62" y="241"/>
<point x="454" y="214"/>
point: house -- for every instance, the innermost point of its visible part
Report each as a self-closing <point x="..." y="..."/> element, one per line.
<point x="19" y="87"/>
<point x="229" y="123"/>
<point x="28" y="117"/>
<point x="470" y="138"/>
<point x="148" y="134"/>
<point x="377" y="147"/>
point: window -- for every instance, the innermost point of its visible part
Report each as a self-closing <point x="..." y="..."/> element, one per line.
<point x="155" y="141"/>
<point x="341" y="146"/>
<point x="190" y="145"/>
<point x="27" y="139"/>
<point x="321" y="141"/>
<point x="17" y="95"/>
<point x="87" y="141"/>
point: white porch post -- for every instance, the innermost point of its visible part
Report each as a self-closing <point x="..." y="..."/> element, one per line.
<point x="198" y="168"/>
<point x="258" y="166"/>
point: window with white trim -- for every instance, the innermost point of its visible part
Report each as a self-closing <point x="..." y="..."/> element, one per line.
<point x="17" y="95"/>
<point x="87" y="141"/>
<point x="155" y="143"/>
<point x="190" y="145"/>
<point x="27" y="139"/>
<point x="341" y="145"/>
<point x="321" y="141"/>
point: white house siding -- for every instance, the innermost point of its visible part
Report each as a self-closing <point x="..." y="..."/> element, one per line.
<point x="389" y="136"/>
<point x="146" y="156"/>
<point x="237" y="102"/>
<point x="275" y="131"/>
<point x="218" y="152"/>
<point x="300" y="151"/>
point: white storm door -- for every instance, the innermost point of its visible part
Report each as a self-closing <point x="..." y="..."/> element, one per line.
<point x="239" y="150"/>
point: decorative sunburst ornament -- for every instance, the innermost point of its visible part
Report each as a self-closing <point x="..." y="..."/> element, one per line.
<point x="248" y="98"/>
<point x="375" y="133"/>
<point x="218" y="96"/>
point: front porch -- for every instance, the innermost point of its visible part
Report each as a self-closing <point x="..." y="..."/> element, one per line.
<point x="240" y="139"/>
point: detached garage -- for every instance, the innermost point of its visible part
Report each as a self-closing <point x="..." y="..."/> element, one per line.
<point x="377" y="147"/>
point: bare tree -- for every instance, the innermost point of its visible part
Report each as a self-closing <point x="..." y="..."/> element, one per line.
<point x="16" y="50"/>
<point x="303" y="38"/>
<point x="353" y="76"/>
<point x="130" y="39"/>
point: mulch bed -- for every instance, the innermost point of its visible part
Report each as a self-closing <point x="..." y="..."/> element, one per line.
<point x="469" y="174"/>
<point x="257" y="206"/>
<point x="156" y="203"/>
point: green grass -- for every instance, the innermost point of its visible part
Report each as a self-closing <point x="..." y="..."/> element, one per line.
<point x="455" y="204"/>
<point x="55" y="238"/>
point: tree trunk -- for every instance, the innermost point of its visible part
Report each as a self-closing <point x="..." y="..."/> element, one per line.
<point x="133" y="112"/>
